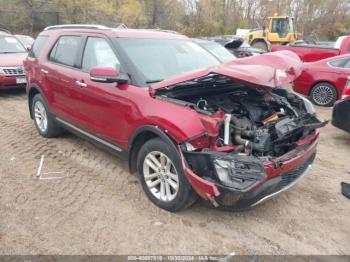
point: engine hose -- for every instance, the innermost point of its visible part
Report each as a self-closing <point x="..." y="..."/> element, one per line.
<point x="239" y="132"/>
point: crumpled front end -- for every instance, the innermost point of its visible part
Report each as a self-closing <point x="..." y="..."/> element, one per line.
<point x="258" y="140"/>
<point x="239" y="181"/>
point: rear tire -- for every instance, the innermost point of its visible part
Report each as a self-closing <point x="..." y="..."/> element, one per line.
<point x="323" y="94"/>
<point x="44" y="121"/>
<point x="162" y="176"/>
<point x="260" y="45"/>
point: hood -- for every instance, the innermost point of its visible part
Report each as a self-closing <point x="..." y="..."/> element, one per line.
<point x="13" y="59"/>
<point x="234" y="43"/>
<point x="271" y="70"/>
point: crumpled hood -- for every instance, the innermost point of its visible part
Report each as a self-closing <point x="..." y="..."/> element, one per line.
<point x="13" y="59"/>
<point x="271" y="70"/>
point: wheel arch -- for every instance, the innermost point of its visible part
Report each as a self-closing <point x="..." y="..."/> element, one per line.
<point x="32" y="91"/>
<point x="140" y="136"/>
<point x="263" y="40"/>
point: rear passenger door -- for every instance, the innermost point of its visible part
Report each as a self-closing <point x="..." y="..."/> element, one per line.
<point x="61" y="72"/>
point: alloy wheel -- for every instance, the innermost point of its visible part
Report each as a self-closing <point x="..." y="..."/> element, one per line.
<point x="160" y="176"/>
<point x="40" y="116"/>
<point x="323" y="95"/>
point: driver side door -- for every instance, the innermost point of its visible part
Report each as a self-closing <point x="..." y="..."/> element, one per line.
<point x="101" y="105"/>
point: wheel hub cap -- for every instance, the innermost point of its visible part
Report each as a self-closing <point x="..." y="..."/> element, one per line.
<point x="161" y="176"/>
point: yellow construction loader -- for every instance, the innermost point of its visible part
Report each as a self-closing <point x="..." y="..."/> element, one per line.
<point x="279" y="31"/>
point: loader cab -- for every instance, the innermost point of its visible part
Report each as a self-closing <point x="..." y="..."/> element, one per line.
<point x="281" y="29"/>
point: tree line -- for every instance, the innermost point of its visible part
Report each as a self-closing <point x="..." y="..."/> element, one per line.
<point x="326" y="18"/>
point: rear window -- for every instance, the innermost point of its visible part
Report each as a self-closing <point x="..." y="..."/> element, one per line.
<point x="65" y="50"/>
<point x="38" y="46"/>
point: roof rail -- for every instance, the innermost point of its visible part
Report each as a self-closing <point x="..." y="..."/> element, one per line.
<point x="5" y="30"/>
<point x="163" y="30"/>
<point x="77" y="26"/>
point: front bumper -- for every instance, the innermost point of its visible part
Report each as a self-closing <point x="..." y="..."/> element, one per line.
<point x="277" y="176"/>
<point x="268" y="189"/>
<point x="10" y="82"/>
<point x="341" y="116"/>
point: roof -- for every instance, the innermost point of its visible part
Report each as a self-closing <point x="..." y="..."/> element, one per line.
<point x="121" y="31"/>
<point x="4" y="32"/>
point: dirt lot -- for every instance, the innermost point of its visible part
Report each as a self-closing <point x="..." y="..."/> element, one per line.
<point x="99" y="208"/>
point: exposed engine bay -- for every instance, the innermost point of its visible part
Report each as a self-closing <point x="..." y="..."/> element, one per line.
<point x="256" y="121"/>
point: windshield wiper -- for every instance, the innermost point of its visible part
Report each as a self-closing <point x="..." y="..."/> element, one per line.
<point x="154" y="81"/>
<point x="7" y="52"/>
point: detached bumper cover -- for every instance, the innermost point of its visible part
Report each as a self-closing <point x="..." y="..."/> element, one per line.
<point x="270" y="188"/>
<point x="276" y="176"/>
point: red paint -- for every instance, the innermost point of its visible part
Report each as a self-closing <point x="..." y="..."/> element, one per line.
<point x="264" y="67"/>
<point x="321" y="71"/>
<point x="103" y="71"/>
<point x="299" y="157"/>
<point x="314" y="53"/>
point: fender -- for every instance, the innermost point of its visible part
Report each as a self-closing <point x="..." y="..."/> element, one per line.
<point x="205" y="189"/>
<point x="133" y="147"/>
<point x="153" y="129"/>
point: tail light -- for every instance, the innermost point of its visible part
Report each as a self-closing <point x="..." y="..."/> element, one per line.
<point x="346" y="91"/>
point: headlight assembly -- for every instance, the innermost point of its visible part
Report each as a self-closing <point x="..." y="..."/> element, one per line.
<point x="238" y="174"/>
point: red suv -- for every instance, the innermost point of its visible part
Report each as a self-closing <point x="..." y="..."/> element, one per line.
<point x="188" y="125"/>
<point x="12" y="54"/>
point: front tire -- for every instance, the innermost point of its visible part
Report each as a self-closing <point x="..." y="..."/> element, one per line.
<point x="162" y="176"/>
<point x="260" y="45"/>
<point x="44" y="121"/>
<point x="323" y="94"/>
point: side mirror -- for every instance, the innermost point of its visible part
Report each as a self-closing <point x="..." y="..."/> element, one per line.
<point x="107" y="75"/>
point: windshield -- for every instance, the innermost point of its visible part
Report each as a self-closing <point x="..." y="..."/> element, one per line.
<point x="9" y="44"/>
<point x="218" y="51"/>
<point x="25" y="40"/>
<point x="158" y="59"/>
<point x="282" y="26"/>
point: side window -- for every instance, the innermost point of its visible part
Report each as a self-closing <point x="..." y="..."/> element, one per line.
<point x="347" y="64"/>
<point x="339" y="63"/>
<point x="65" y="50"/>
<point x="98" y="53"/>
<point x="38" y="46"/>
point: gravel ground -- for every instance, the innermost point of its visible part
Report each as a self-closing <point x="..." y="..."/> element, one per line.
<point x="97" y="207"/>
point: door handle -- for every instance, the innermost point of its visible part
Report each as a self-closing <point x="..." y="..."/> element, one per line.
<point x="80" y="84"/>
<point x="44" y="71"/>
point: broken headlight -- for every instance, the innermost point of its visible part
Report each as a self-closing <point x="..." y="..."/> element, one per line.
<point x="238" y="174"/>
<point x="308" y="105"/>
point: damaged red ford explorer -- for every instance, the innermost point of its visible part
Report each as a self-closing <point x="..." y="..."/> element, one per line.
<point x="188" y="125"/>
